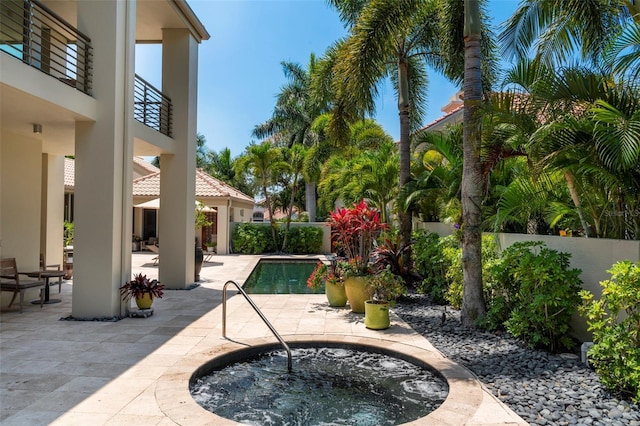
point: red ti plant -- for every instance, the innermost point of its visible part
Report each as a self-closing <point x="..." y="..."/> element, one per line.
<point x="353" y="231"/>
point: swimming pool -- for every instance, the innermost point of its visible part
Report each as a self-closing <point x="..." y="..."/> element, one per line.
<point x="281" y="277"/>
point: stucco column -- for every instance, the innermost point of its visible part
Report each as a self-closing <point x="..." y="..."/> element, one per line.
<point x="52" y="214"/>
<point x="178" y="170"/>
<point x="20" y="203"/>
<point x="223" y="228"/>
<point x="104" y="153"/>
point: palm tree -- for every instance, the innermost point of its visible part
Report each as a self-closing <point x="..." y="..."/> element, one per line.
<point x="388" y="39"/>
<point x="294" y="157"/>
<point x="370" y="174"/>
<point x="338" y="163"/>
<point x="556" y="30"/>
<point x="397" y="39"/>
<point x="437" y="172"/>
<point x="473" y="306"/>
<point x="579" y="126"/>
<point x="598" y="142"/>
<point x="220" y="165"/>
<point x="263" y="161"/>
<point x="297" y="107"/>
<point x="201" y="151"/>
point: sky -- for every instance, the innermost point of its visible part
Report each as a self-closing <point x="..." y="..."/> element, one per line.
<point x="240" y="71"/>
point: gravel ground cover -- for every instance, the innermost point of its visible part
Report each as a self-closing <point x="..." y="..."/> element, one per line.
<point x="543" y="388"/>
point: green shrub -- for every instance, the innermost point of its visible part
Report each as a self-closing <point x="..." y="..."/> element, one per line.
<point x="615" y="354"/>
<point x="430" y="263"/>
<point x="455" y="274"/>
<point x="250" y="238"/>
<point x="439" y="261"/>
<point x="533" y="287"/>
<point x="303" y="239"/>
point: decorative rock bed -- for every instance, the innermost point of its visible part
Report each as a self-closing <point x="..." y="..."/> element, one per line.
<point x="543" y="388"/>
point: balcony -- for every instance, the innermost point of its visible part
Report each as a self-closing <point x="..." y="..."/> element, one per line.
<point x="151" y="107"/>
<point x="40" y="38"/>
<point x="35" y="35"/>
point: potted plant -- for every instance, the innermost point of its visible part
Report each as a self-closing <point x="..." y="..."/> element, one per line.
<point x="353" y="231"/>
<point x="200" y="221"/>
<point x="143" y="290"/>
<point x="135" y="243"/>
<point x="68" y="249"/>
<point x="383" y="289"/>
<point x="390" y="252"/>
<point x="326" y="275"/>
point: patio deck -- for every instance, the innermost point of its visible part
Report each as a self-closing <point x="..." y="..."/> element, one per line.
<point x="133" y="371"/>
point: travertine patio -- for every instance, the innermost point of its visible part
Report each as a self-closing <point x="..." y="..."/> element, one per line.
<point x="134" y="371"/>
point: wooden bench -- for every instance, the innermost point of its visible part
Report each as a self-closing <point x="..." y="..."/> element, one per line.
<point x="10" y="281"/>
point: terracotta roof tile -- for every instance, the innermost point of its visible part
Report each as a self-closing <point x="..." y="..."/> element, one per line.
<point x="444" y="117"/>
<point x="206" y="187"/>
<point x="69" y="173"/>
<point x="145" y="165"/>
<point x="149" y="186"/>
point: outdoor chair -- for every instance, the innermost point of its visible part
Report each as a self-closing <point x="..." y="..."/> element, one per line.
<point x="156" y="250"/>
<point x="53" y="267"/>
<point x="10" y="281"/>
<point x="151" y="242"/>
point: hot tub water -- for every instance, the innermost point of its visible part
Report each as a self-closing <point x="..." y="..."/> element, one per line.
<point x="328" y="386"/>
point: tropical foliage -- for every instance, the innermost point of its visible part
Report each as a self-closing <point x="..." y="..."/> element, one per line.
<point x="139" y="286"/>
<point x="353" y="231"/>
<point x="614" y="321"/>
<point x="251" y="238"/>
<point x="555" y="148"/>
<point x="385" y="286"/>
<point x="533" y="292"/>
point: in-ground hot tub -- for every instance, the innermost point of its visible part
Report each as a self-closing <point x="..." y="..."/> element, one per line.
<point x="330" y="383"/>
<point x="175" y="400"/>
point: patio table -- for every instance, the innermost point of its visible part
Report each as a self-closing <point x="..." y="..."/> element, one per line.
<point x="47" y="275"/>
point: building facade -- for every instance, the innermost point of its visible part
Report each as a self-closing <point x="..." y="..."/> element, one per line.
<point x="68" y="87"/>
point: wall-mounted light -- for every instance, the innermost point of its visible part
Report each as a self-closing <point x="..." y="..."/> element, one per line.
<point x="37" y="128"/>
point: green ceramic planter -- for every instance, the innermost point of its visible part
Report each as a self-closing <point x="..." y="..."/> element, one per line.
<point x="376" y="315"/>
<point x="336" y="294"/>
<point x="355" y="288"/>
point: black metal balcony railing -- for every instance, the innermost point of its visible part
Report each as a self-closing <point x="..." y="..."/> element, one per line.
<point x="151" y="107"/>
<point x="32" y="33"/>
<point x="35" y="35"/>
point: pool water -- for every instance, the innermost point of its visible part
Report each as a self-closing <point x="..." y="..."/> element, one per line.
<point x="281" y="277"/>
<point x="327" y="386"/>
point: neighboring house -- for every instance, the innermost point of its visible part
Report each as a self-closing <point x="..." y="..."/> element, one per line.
<point x="68" y="87"/>
<point x="453" y="112"/>
<point x="261" y="213"/>
<point x="141" y="167"/>
<point x="226" y="204"/>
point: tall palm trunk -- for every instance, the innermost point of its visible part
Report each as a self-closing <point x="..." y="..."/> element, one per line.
<point x="576" y="201"/>
<point x="473" y="306"/>
<point x="294" y="192"/>
<point x="404" y="217"/>
<point x="272" y="220"/>
<point x="310" y="200"/>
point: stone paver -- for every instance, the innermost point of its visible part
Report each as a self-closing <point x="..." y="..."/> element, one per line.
<point x="129" y="372"/>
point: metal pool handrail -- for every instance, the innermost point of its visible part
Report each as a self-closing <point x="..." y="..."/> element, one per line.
<point x="258" y="311"/>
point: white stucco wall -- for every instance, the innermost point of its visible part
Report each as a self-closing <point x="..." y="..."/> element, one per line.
<point x="20" y="174"/>
<point x="593" y="256"/>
